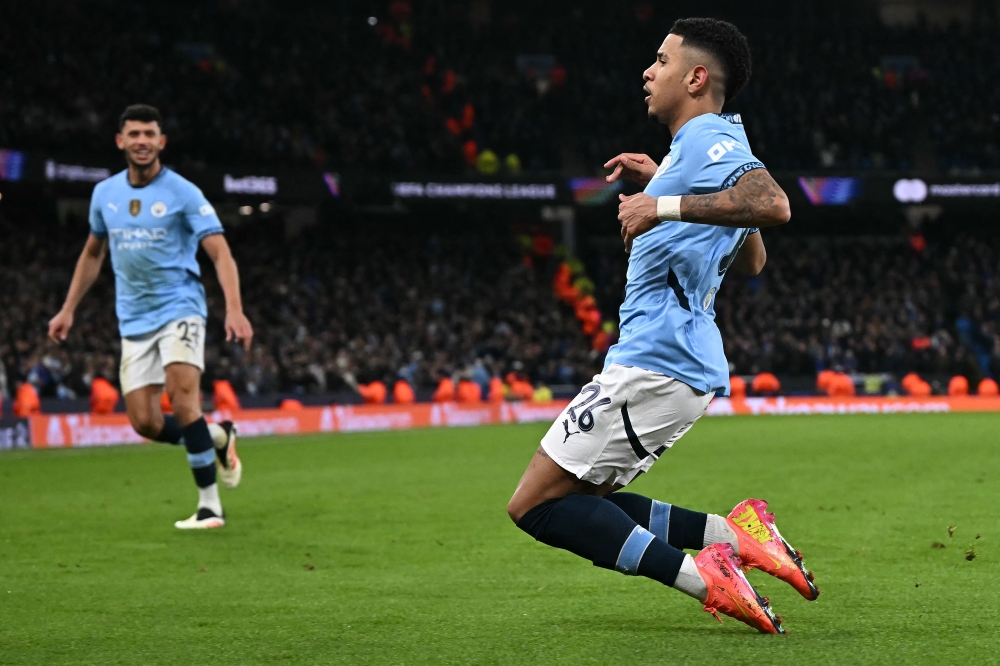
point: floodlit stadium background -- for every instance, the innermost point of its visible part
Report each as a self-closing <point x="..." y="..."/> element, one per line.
<point x="414" y="194"/>
<point x="413" y="191"/>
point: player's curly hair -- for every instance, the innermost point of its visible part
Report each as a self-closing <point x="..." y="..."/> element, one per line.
<point x="144" y="113"/>
<point x="724" y="42"/>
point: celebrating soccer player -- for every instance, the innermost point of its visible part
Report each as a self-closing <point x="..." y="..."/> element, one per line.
<point x="153" y="221"/>
<point x="697" y="218"/>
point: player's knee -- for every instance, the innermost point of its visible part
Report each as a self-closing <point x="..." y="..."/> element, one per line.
<point x="146" y="424"/>
<point x="520" y="505"/>
<point x="185" y="401"/>
<point x="187" y="414"/>
<point x="532" y="516"/>
<point x="514" y="509"/>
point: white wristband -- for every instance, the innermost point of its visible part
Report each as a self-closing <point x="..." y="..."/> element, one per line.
<point x="668" y="209"/>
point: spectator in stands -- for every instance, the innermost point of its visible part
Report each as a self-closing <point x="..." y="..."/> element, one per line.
<point x="433" y="88"/>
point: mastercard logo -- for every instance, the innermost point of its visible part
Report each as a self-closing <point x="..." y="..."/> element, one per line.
<point x="909" y="190"/>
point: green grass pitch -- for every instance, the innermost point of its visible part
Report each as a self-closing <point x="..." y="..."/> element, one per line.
<point x="394" y="548"/>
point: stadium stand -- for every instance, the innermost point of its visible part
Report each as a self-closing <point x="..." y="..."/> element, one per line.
<point x="333" y="311"/>
<point x="861" y="305"/>
<point x="429" y="88"/>
<point x="432" y="85"/>
<point x="330" y="312"/>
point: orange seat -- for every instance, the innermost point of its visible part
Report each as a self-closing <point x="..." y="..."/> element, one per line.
<point x="562" y="284"/>
<point x="224" y="396"/>
<point x="469" y="392"/>
<point x="165" y="405"/>
<point x="291" y="405"/>
<point x="402" y="393"/>
<point x="26" y="401"/>
<point x="497" y="390"/>
<point x="920" y="389"/>
<point x="103" y="396"/>
<point x="840" y="385"/>
<point x="445" y="391"/>
<point x="522" y="390"/>
<point x="909" y="380"/>
<point x="988" y="387"/>
<point x="737" y="387"/>
<point x="958" y="386"/>
<point x="765" y="382"/>
<point x="374" y="393"/>
<point x="824" y="379"/>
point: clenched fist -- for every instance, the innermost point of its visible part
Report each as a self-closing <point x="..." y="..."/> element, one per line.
<point x="637" y="214"/>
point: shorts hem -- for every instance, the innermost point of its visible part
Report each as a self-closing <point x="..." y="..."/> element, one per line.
<point x="562" y="463"/>
<point x="142" y="385"/>
<point x="184" y="362"/>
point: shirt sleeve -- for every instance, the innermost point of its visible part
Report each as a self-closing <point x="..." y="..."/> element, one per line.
<point x="200" y="215"/>
<point x="97" y="226"/>
<point x="719" y="159"/>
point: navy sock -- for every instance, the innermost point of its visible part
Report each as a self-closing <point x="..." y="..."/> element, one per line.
<point x="172" y="432"/>
<point x="680" y="527"/>
<point x="597" y="530"/>
<point x="201" y="452"/>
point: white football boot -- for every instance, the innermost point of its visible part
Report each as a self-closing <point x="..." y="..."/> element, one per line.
<point x="229" y="466"/>
<point x="204" y="519"/>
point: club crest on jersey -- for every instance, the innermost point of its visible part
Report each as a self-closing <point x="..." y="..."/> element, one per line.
<point x="134" y="206"/>
<point x="159" y="209"/>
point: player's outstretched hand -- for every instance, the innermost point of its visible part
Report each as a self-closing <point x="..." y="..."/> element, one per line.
<point x="631" y="166"/>
<point x="637" y="214"/>
<point x="238" y="329"/>
<point x="59" y="326"/>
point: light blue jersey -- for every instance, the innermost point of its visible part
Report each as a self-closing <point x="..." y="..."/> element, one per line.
<point x="153" y="233"/>
<point x="675" y="270"/>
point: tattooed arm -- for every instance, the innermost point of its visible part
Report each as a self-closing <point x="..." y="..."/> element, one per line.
<point x="754" y="201"/>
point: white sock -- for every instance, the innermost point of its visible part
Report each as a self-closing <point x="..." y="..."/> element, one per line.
<point x="218" y="435"/>
<point x="717" y="530"/>
<point x="209" y="499"/>
<point x="689" y="580"/>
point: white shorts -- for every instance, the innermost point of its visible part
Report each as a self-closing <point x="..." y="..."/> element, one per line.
<point x="621" y="422"/>
<point x="145" y="357"/>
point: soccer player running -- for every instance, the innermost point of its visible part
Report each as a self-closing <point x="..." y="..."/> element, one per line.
<point x="153" y="220"/>
<point x="697" y="218"/>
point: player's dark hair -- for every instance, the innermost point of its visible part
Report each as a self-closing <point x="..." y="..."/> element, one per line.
<point x="724" y="42"/>
<point x="144" y="113"/>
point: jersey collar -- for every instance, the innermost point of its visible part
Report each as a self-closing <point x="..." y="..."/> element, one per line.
<point x="163" y="170"/>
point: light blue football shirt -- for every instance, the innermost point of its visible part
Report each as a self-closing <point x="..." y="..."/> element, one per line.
<point x="675" y="270"/>
<point x="153" y="233"/>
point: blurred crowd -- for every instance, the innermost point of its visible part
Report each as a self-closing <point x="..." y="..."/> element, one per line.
<point x="875" y="306"/>
<point x="331" y="311"/>
<point x="401" y="86"/>
<point x="856" y="305"/>
<point x="334" y="309"/>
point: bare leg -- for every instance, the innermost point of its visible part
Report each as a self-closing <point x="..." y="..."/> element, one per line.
<point x="143" y="408"/>
<point x="183" y="383"/>
<point x="545" y="480"/>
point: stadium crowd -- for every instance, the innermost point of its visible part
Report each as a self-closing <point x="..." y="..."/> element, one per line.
<point x="330" y="312"/>
<point x="868" y="307"/>
<point x="334" y="310"/>
<point x="430" y="86"/>
<point x="854" y="304"/>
